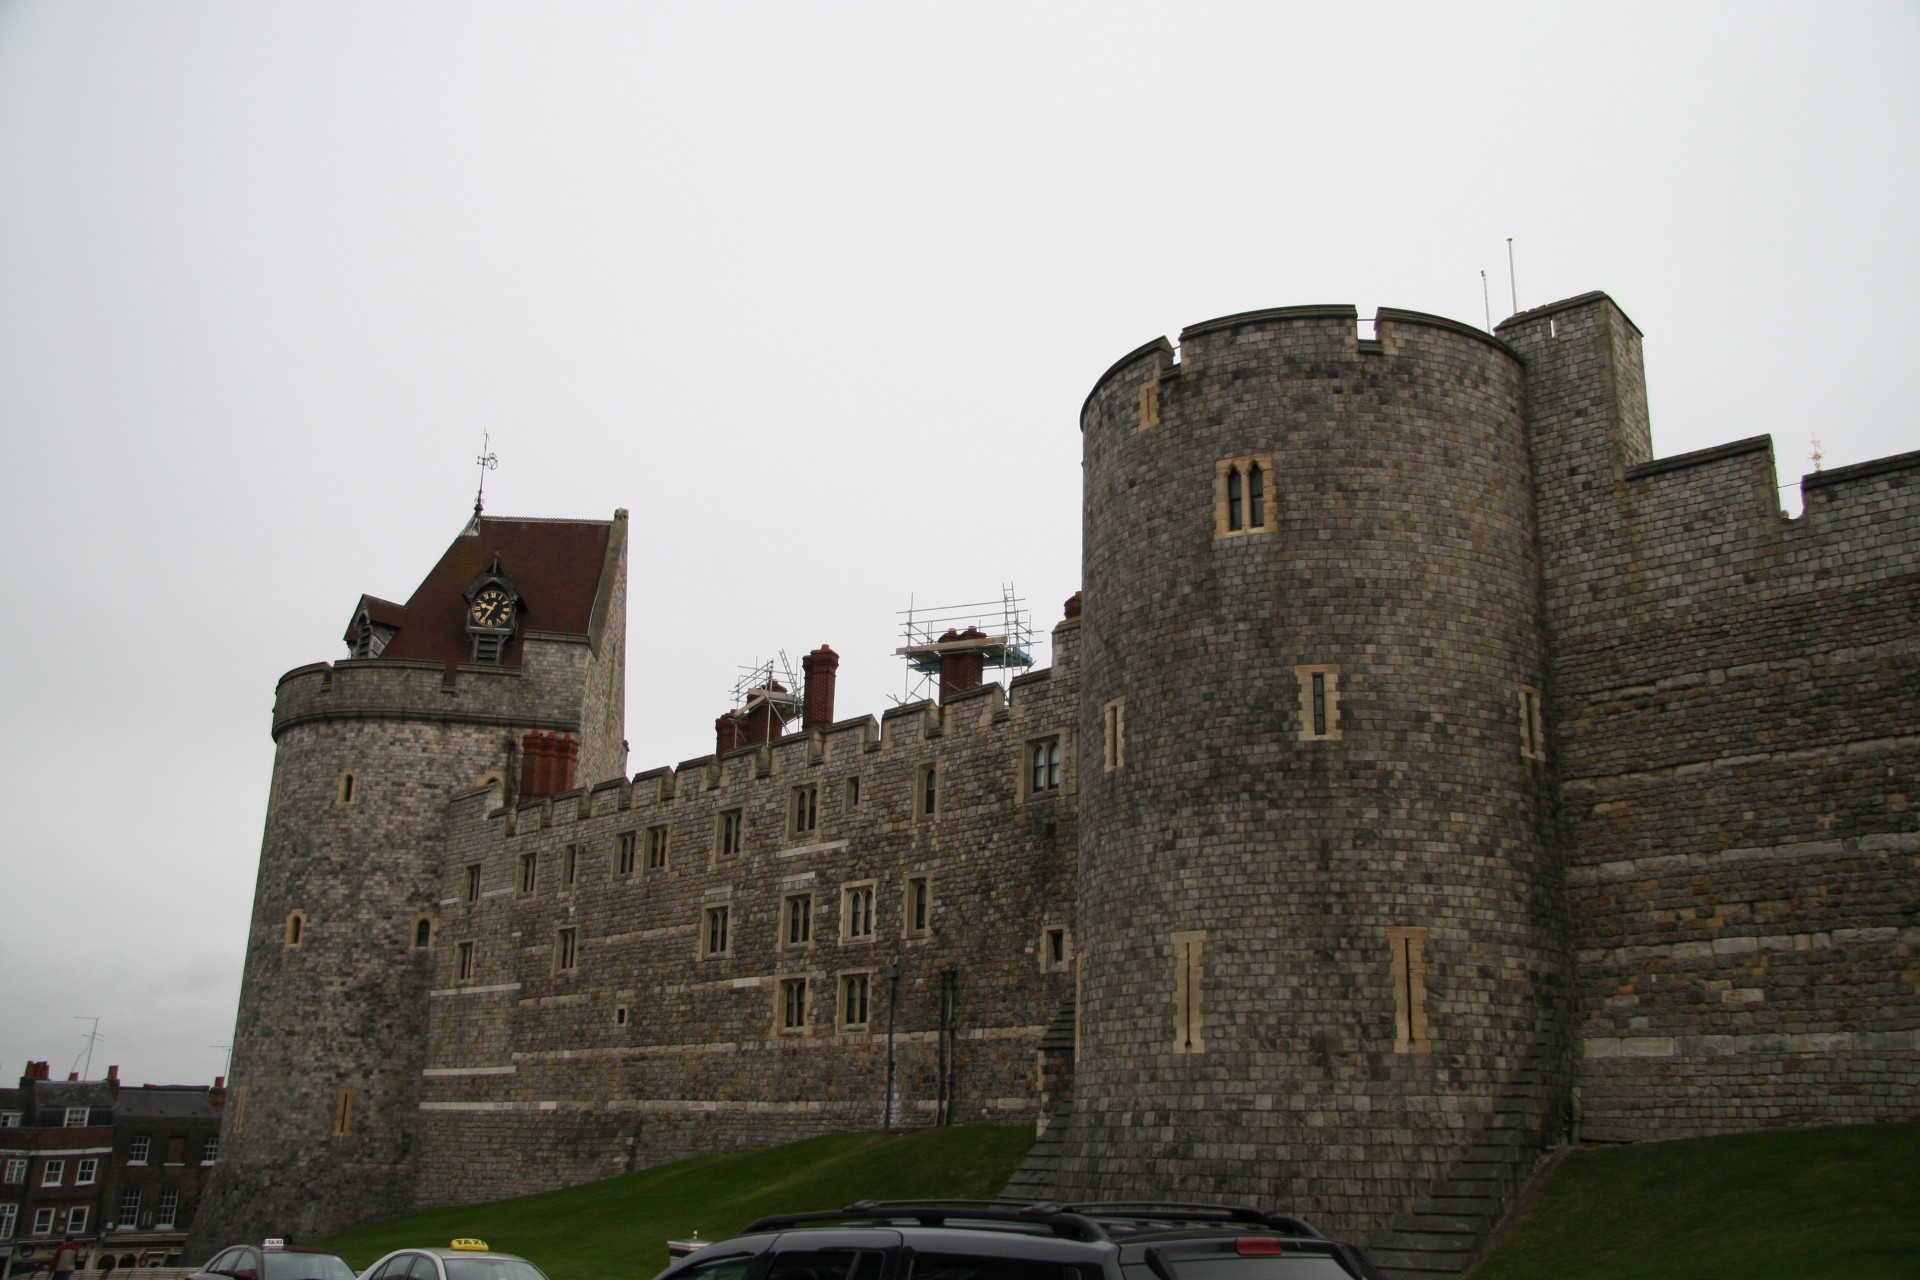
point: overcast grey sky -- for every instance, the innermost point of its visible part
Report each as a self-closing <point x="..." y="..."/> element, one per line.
<point x="815" y="290"/>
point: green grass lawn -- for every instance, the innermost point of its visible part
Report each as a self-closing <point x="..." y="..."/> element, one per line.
<point x="1804" y="1204"/>
<point x="620" y="1227"/>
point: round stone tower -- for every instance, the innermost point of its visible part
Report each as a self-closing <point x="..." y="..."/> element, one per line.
<point x="443" y="697"/>
<point x="1319" y="906"/>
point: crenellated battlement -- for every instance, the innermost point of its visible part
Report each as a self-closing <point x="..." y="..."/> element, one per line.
<point x="369" y="689"/>
<point x="978" y="721"/>
<point x="1289" y="341"/>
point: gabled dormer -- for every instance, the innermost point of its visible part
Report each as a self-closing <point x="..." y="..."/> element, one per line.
<point x="375" y="623"/>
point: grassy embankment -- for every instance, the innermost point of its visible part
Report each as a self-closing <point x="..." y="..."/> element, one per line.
<point x="1805" y="1203"/>
<point x="619" y="1227"/>
<point x="1809" y="1204"/>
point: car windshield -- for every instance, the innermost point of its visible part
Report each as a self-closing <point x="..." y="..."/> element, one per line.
<point x="306" y="1266"/>
<point x="491" y="1269"/>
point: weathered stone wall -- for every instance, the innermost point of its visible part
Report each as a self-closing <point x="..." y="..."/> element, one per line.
<point x="1736" y="723"/>
<point x="343" y="1012"/>
<point x="648" y="1050"/>
<point x="1401" y="564"/>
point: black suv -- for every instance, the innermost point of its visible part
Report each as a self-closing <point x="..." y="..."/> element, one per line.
<point x="1007" y="1240"/>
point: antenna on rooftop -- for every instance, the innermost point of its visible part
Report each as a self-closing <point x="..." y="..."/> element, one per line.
<point x="487" y="461"/>
<point x="229" y="1049"/>
<point x="92" y="1038"/>
<point x="1486" y="301"/>
<point x="1512" y="282"/>
<point x="1818" y="454"/>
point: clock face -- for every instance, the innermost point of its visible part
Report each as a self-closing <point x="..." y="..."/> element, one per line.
<point x="492" y="608"/>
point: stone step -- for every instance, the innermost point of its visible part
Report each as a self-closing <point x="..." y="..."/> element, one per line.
<point x="1442" y="1223"/>
<point x="1422" y="1242"/>
<point x="1456" y="1206"/>
<point x="1399" y="1263"/>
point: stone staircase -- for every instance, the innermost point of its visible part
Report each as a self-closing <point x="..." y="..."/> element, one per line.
<point x="1037" y="1177"/>
<point x="1450" y="1228"/>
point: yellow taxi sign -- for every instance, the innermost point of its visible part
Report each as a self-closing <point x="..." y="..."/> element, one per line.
<point x="467" y="1244"/>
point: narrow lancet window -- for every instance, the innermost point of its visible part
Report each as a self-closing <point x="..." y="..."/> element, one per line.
<point x="1234" y="521"/>
<point x="1256" y="497"/>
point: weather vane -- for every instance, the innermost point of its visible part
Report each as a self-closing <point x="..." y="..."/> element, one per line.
<point x="487" y="461"/>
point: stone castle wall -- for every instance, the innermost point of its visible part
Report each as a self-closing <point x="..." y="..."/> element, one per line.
<point x="1736" y="719"/>
<point x="648" y="1049"/>
<point x="1275" y="863"/>
<point x="1605" y="809"/>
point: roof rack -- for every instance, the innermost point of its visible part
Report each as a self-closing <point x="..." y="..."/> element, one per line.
<point x="1173" y="1211"/>
<point x="937" y="1213"/>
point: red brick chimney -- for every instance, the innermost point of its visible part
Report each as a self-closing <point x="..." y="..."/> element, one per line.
<point x="547" y="762"/>
<point x="36" y="1071"/>
<point x="820" y="666"/>
<point x="961" y="671"/>
<point x="217" y="1096"/>
<point x="1073" y="606"/>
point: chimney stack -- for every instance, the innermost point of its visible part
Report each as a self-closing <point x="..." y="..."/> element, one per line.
<point x="820" y="666"/>
<point x="964" y="670"/>
<point x="547" y="762"/>
<point x="1073" y="606"/>
<point x="217" y="1096"/>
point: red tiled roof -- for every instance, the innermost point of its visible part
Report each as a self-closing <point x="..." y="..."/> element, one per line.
<point x="554" y="565"/>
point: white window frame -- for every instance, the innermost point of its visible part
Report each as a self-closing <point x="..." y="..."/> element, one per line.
<point x="9" y="1219"/>
<point x="86" y="1172"/>
<point x="76" y="1118"/>
<point x="130" y="1207"/>
<point x="42" y="1222"/>
<point x="53" y="1173"/>
<point x="10" y="1119"/>
<point x="77" y="1216"/>
<point x="16" y="1171"/>
<point x="169" y="1207"/>
<point x="139" y="1149"/>
<point x="210" y="1152"/>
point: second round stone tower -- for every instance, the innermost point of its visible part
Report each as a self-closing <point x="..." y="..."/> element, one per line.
<point x="1319" y="902"/>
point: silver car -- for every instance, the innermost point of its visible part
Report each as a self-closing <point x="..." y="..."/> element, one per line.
<point x="465" y="1260"/>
